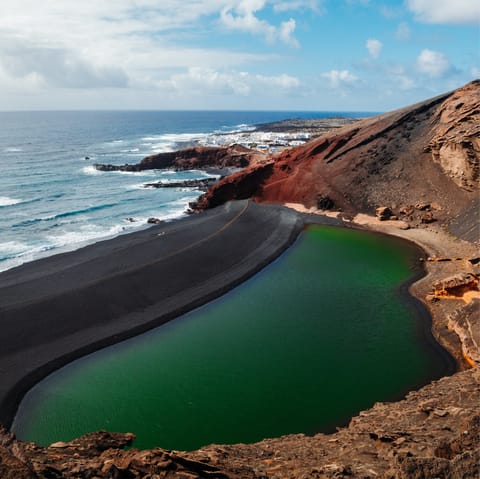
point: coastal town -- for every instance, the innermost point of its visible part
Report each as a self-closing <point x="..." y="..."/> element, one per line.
<point x="276" y="136"/>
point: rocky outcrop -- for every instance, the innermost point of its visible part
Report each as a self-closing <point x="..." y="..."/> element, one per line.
<point x="198" y="157"/>
<point x="384" y="213"/>
<point x="433" y="432"/>
<point x="237" y="186"/>
<point x="427" y="153"/>
<point x="456" y="285"/>
<point x="456" y="142"/>
<point x="199" y="184"/>
<point x="465" y="321"/>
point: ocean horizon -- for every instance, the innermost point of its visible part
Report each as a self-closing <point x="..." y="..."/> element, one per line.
<point x="53" y="200"/>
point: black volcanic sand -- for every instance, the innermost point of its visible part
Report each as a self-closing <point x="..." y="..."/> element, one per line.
<point x="59" y="308"/>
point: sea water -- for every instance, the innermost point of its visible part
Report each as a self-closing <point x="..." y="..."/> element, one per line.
<point x="51" y="197"/>
<point x="319" y="335"/>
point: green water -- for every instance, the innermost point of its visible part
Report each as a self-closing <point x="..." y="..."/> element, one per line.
<point x="317" y="336"/>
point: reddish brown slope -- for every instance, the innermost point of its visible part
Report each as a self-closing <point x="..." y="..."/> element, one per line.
<point x="428" y="152"/>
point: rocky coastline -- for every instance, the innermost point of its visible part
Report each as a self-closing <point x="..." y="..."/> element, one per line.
<point x="197" y="157"/>
<point x="420" y="166"/>
<point x="199" y="184"/>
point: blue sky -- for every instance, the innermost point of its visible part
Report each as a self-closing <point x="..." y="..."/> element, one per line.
<point x="354" y="55"/>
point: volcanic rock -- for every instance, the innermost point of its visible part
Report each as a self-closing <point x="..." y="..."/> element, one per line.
<point x="465" y="321"/>
<point x="235" y="156"/>
<point x="325" y="203"/>
<point x="154" y="221"/>
<point x="456" y="285"/>
<point x="424" y="154"/>
<point x="384" y="213"/>
<point x="201" y="184"/>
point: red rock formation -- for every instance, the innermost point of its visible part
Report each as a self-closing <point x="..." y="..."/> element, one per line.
<point x="428" y="152"/>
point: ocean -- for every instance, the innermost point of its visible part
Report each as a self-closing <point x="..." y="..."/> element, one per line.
<point x="53" y="200"/>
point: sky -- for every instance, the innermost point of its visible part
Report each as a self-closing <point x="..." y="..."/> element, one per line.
<point x="319" y="55"/>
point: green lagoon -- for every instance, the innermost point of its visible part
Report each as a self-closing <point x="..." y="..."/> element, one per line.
<point x="319" y="335"/>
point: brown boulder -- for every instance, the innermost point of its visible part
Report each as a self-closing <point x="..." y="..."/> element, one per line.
<point x="456" y="284"/>
<point x="384" y="213"/>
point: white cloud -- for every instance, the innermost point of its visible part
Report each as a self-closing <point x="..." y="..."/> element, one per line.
<point x="374" y="47"/>
<point x="434" y="64"/>
<point x="290" y="5"/>
<point x="446" y="11"/>
<point x="87" y="45"/>
<point x="361" y="2"/>
<point x="391" y="12"/>
<point x="400" y="77"/>
<point x="209" y="81"/>
<point x="403" y="32"/>
<point x="475" y="72"/>
<point x="339" y="78"/>
<point x="242" y="17"/>
<point x="58" y="67"/>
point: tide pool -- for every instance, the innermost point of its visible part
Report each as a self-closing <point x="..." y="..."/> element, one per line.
<point x="317" y="336"/>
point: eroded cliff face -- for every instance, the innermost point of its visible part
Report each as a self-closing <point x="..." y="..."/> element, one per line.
<point x="425" y="153"/>
<point x="456" y="142"/>
<point x="434" y="432"/>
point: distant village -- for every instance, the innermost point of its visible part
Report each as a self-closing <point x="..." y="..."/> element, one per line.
<point x="277" y="136"/>
<point x="265" y="142"/>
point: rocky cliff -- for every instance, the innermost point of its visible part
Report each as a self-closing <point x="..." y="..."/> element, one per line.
<point x="198" y="157"/>
<point x="427" y="153"/>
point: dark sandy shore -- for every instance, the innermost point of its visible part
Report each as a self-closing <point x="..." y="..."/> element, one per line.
<point x="62" y="307"/>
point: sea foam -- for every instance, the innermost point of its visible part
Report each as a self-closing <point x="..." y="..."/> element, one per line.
<point x="7" y="201"/>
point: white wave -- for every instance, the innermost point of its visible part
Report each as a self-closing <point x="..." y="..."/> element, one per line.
<point x="12" y="149"/>
<point x="7" y="201"/>
<point x="167" y="142"/>
<point x="202" y="174"/>
<point x="148" y="173"/>
<point x="178" y="137"/>
<point x="241" y="128"/>
<point x="16" y="254"/>
<point x="12" y="248"/>
<point x="91" y="170"/>
<point x="136" y="186"/>
<point x="163" y="147"/>
<point x="21" y="257"/>
<point x="84" y="235"/>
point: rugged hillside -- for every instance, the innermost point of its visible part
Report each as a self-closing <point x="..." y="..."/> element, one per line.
<point x="427" y="153"/>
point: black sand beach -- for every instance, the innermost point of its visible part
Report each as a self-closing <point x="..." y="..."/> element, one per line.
<point x="62" y="307"/>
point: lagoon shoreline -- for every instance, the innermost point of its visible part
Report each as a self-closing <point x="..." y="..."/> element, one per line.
<point x="192" y="253"/>
<point x="394" y="428"/>
<point x="82" y="301"/>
